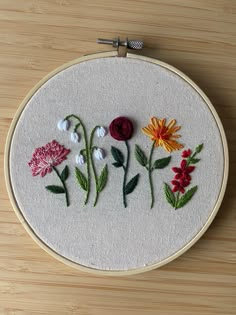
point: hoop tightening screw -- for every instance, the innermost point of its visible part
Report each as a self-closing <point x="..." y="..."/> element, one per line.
<point x="130" y="44"/>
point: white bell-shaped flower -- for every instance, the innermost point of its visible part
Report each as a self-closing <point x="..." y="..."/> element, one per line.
<point x="74" y="137"/>
<point x="80" y="159"/>
<point x="63" y="124"/>
<point x="99" y="154"/>
<point x="101" y="132"/>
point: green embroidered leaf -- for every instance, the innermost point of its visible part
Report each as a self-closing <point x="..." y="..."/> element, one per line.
<point x="117" y="164"/>
<point x="199" y="148"/>
<point x="55" y="189"/>
<point x="131" y="184"/>
<point x="161" y="163"/>
<point x="102" y="180"/>
<point x="65" y="173"/>
<point x="82" y="180"/>
<point x="117" y="155"/>
<point x="170" y="197"/>
<point x="194" y="161"/>
<point x="140" y="156"/>
<point x="186" y="197"/>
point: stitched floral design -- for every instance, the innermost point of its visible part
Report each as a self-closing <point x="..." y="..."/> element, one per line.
<point x="121" y="129"/>
<point x="182" y="179"/>
<point x="44" y="161"/>
<point x="163" y="136"/>
<point x="86" y="154"/>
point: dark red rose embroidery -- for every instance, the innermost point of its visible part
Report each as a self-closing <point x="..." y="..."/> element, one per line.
<point x="121" y="129"/>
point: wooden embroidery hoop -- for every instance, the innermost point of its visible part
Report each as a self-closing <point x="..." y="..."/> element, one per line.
<point x="26" y="224"/>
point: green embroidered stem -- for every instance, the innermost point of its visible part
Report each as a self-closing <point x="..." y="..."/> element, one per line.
<point x="63" y="184"/>
<point x="126" y="173"/>
<point x="76" y="127"/>
<point x="150" y="174"/>
<point x="92" y="163"/>
<point x="87" y="152"/>
<point x="177" y="199"/>
<point x="191" y="159"/>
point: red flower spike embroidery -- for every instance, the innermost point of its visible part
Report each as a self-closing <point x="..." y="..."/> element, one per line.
<point x="45" y="159"/>
<point x="182" y="179"/>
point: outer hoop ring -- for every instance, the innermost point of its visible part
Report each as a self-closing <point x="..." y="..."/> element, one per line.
<point x="26" y="224"/>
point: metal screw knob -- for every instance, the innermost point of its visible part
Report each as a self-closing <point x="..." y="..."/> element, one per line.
<point x="135" y="44"/>
<point x="131" y="44"/>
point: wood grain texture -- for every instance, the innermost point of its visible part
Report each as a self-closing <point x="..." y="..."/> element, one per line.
<point x="196" y="36"/>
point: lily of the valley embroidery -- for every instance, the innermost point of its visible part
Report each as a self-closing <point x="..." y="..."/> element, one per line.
<point x="44" y="161"/>
<point x="121" y="129"/>
<point x="162" y="136"/>
<point x="86" y="155"/>
<point x="182" y="179"/>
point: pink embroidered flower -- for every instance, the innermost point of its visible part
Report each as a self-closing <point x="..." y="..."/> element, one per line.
<point x="44" y="158"/>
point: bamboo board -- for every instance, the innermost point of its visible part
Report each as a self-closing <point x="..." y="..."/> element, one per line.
<point x="198" y="37"/>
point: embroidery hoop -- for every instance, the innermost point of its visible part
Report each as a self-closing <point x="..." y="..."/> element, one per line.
<point x="27" y="226"/>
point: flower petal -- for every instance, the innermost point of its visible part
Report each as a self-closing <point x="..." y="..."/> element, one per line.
<point x="154" y="122"/>
<point x="186" y="153"/>
<point x="171" y="123"/>
<point x="99" y="154"/>
<point x="101" y="131"/>
<point x="183" y="164"/>
<point x="187" y="177"/>
<point x="184" y="182"/>
<point x="177" y="170"/>
<point x="175" y="188"/>
<point x="178" y="176"/>
<point x="147" y="131"/>
<point x="175" y="182"/>
<point x="189" y="169"/>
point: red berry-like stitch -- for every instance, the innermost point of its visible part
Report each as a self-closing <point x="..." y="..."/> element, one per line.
<point x="186" y="153"/>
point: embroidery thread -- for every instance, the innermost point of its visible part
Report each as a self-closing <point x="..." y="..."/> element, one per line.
<point x="121" y="129"/>
<point x="44" y="161"/>
<point x="86" y="155"/>
<point x="182" y="179"/>
<point x="162" y="136"/>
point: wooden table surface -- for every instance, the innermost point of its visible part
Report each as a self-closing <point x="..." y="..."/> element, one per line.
<point x="199" y="38"/>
